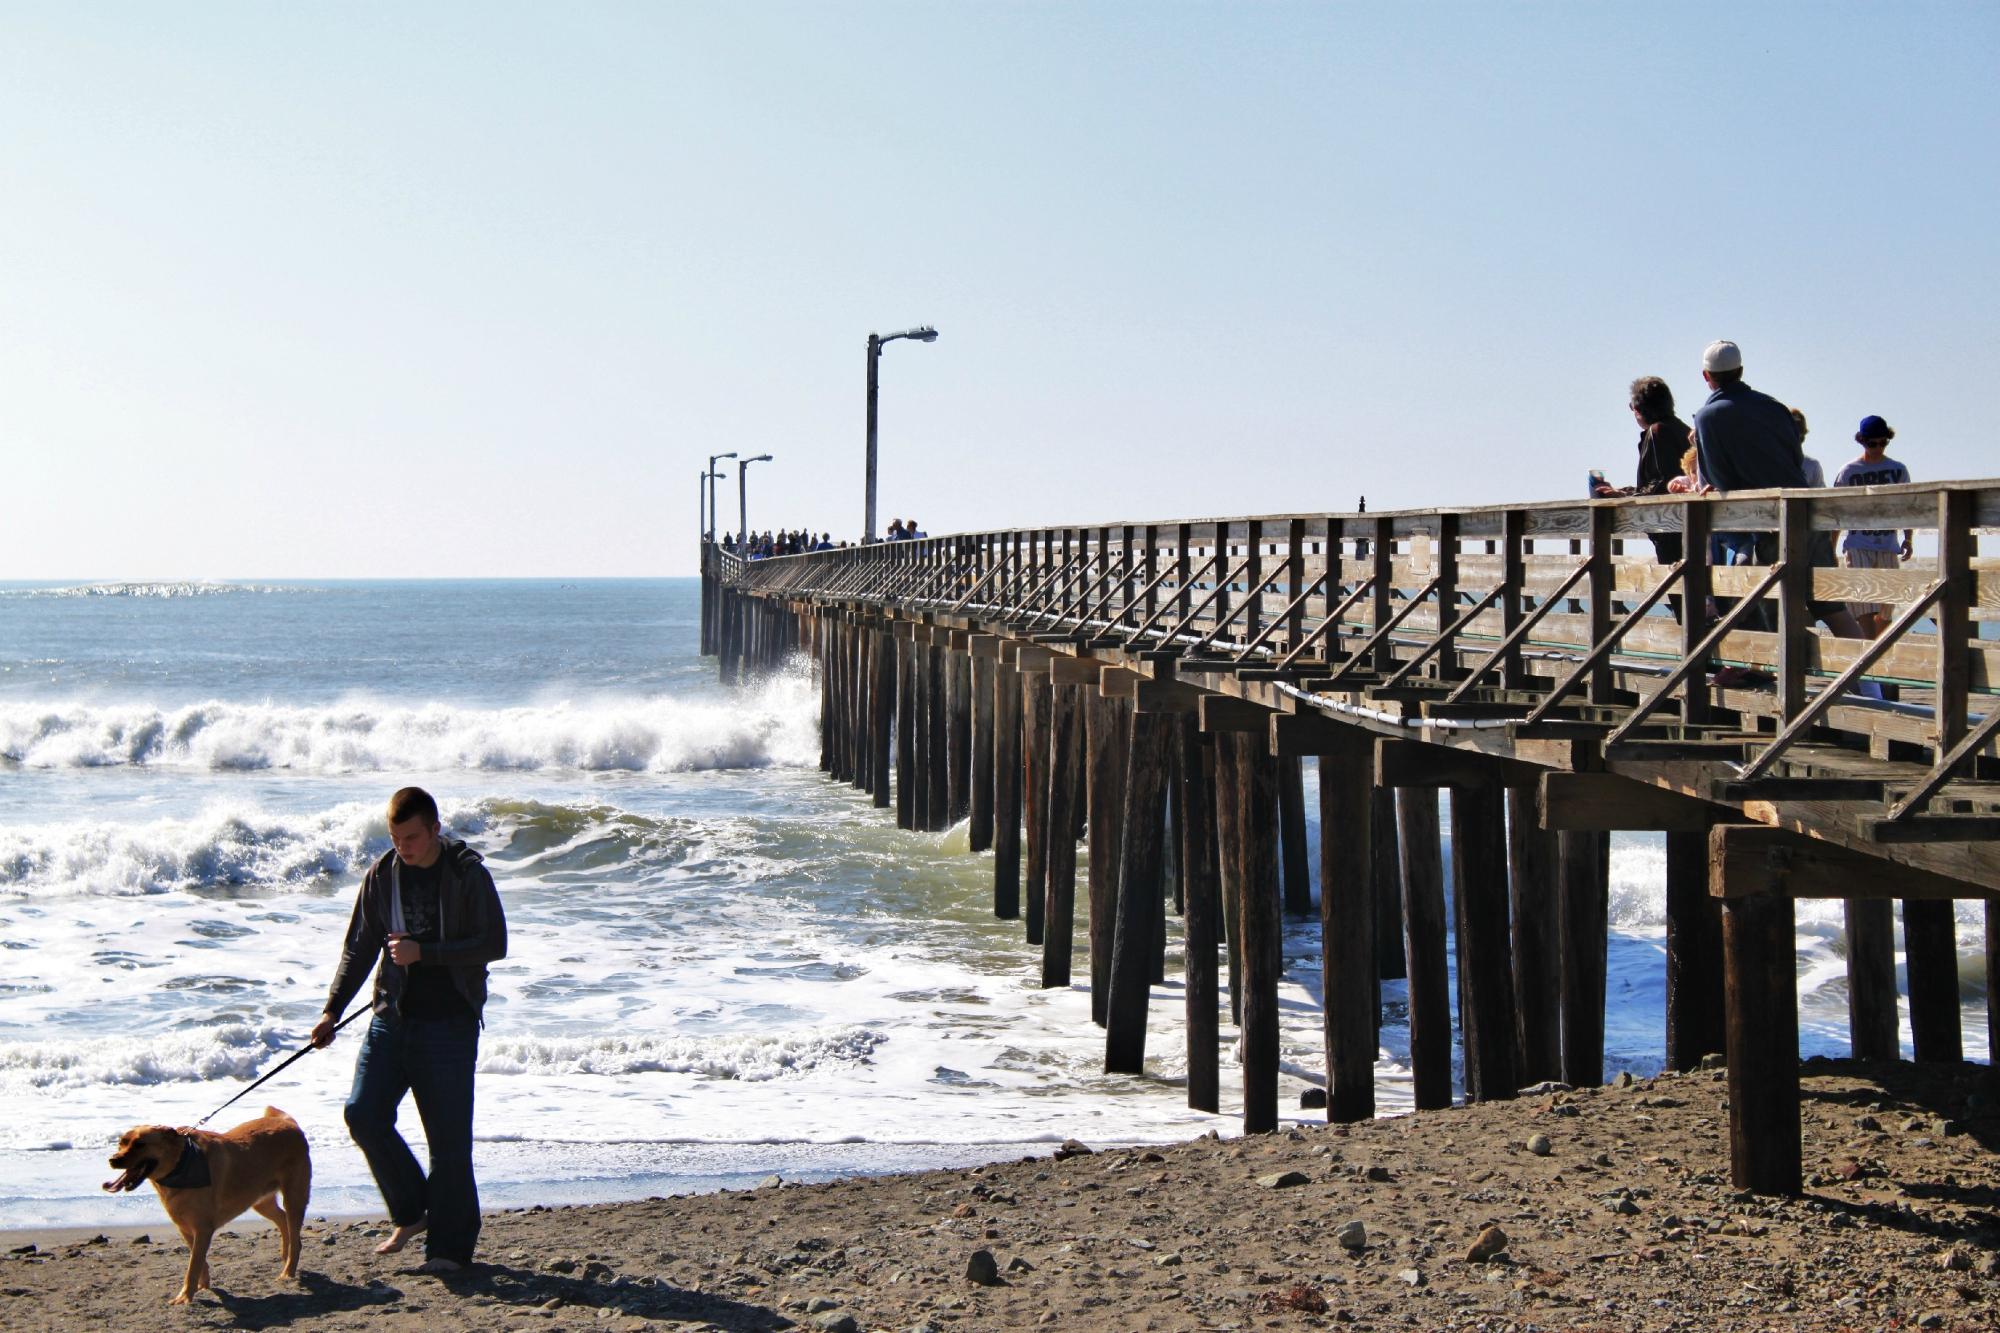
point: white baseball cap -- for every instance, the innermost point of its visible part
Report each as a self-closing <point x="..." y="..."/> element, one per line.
<point x="1722" y="355"/>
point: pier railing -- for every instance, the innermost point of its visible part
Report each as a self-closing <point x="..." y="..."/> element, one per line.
<point x="1537" y="615"/>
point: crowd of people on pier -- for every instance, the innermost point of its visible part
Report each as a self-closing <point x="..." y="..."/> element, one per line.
<point x="762" y="545"/>
<point x="1743" y="439"/>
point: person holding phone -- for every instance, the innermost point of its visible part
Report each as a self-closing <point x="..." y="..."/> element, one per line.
<point x="1662" y="437"/>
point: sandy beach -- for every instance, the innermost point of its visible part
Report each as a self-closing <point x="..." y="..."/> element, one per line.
<point x="1614" y="1202"/>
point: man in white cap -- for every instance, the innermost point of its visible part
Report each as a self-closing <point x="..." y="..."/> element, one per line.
<point x="1745" y="440"/>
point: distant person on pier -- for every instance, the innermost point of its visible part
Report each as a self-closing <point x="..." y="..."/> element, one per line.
<point x="896" y="532"/>
<point x="1746" y="440"/>
<point x="916" y="533"/>
<point x="1836" y="616"/>
<point x="1867" y="548"/>
<point x="1662" y="437"/>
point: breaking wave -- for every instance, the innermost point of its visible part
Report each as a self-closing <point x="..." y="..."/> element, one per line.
<point x="751" y="1058"/>
<point x="774" y="725"/>
<point x="230" y="1051"/>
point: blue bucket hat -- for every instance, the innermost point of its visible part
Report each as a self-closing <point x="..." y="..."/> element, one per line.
<point x="1874" y="428"/>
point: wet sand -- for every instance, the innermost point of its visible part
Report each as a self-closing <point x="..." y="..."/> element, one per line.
<point x="1623" y="1219"/>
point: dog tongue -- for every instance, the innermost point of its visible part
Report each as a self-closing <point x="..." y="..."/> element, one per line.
<point x="122" y="1181"/>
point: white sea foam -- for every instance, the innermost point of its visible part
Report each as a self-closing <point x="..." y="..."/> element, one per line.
<point x="750" y="1057"/>
<point x="776" y="724"/>
<point x="177" y="588"/>
<point x="229" y="1051"/>
<point x="223" y="846"/>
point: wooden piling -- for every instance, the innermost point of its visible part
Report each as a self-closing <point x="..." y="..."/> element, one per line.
<point x="1760" y="957"/>
<point x="1107" y="759"/>
<point x="1584" y="888"/>
<point x="1292" y="836"/>
<point x="1930" y="967"/>
<point x="1349" y="980"/>
<point x="1872" y="1020"/>
<point x="981" y="674"/>
<point x="1225" y="781"/>
<point x="1037" y="713"/>
<point x="1005" y="789"/>
<point x="1696" y="1025"/>
<point x="1485" y="964"/>
<point x="1531" y="889"/>
<point x="882" y="716"/>
<point x="1387" y="853"/>
<point x="1424" y="947"/>
<point x="1262" y="922"/>
<point x="906" y="734"/>
<point x="958" y="672"/>
<point x="937" y="755"/>
<point x="1059" y="912"/>
<point x="1201" y="912"/>
<point x="1141" y="883"/>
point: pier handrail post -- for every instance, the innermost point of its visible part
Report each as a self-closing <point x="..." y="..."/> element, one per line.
<point x="1599" y="689"/>
<point x="1514" y="575"/>
<point x="1794" y="593"/>
<point x="1295" y="541"/>
<point x="1447" y="596"/>
<point x="1385" y="575"/>
<point x="1696" y="519"/>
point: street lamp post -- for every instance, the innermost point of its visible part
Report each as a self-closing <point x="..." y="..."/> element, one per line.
<point x="925" y="334"/>
<point x="743" y="503"/>
<point x="712" y="475"/>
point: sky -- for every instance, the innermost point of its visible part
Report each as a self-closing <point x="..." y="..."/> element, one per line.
<point x="473" y="290"/>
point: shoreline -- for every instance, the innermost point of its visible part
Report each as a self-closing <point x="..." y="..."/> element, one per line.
<point x="1622" y="1218"/>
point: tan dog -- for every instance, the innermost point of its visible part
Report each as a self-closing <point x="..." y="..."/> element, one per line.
<point x="205" y="1179"/>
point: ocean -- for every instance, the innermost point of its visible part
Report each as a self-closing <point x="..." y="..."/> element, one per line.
<point x="723" y="965"/>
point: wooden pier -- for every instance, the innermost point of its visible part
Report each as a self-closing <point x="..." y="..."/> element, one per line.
<point x="1154" y="687"/>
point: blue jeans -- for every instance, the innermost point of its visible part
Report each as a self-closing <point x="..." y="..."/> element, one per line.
<point x="433" y="1058"/>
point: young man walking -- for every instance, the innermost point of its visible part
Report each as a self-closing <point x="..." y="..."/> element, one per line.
<point x="429" y="912"/>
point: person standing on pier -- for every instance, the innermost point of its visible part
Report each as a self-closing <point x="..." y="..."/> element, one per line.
<point x="1869" y="549"/>
<point x="1746" y="440"/>
<point x="1662" y="437"/>
<point x="429" y="912"/>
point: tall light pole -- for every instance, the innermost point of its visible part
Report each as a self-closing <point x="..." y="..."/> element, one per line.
<point x="743" y="503"/>
<point x="712" y="475"/>
<point x="925" y="334"/>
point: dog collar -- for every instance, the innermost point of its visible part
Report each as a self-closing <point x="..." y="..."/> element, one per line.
<point x="191" y="1172"/>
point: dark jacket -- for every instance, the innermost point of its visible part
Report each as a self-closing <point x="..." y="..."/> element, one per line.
<point x="1747" y="440"/>
<point x="1660" y="448"/>
<point x="470" y="922"/>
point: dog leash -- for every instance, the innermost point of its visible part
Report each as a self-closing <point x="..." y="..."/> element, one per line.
<point x="296" y="1056"/>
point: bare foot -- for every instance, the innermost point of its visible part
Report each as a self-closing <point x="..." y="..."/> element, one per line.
<point x="402" y="1236"/>
<point x="440" y="1266"/>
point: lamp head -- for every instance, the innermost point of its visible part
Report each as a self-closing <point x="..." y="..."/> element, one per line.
<point x="760" y="458"/>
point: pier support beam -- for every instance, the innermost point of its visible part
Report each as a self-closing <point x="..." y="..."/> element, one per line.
<point x="980" y="834"/>
<point x="958" y="729"/>
<point x="1201" y="912"/>
<point x="1584" y="885"/>
<point x="1292" y="835"/>
<point x="1760" y="959"/>
<point x="1107" y="749"/>
<point x="882" y="716"/>
<point x="1036" y="715"/>
<point x="1424" y="947"/>
<point x="1485" y="966"/>
<point x="1872" y="1020"/>
<point x="1059" y="914"/>
<point x="1383" y="846"/>
<point x="1006" y="791"/>
<point x="1141" y="884"/>
<point x="1262" y="930"/>
<point x="1696" y="1024"/>
<point x="1930" y="964"/>
<point x="1531" y="886"/>
<point x="906" y="733"/>
<point x="1349" y="984"/>
<point x="937" y="750"/>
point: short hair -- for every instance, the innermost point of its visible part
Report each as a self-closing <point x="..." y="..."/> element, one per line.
<point x="1799" y="419"/>
<point x="412" y="803"/>
<point x="1726" y="377"/>
<point x="1652" y="399"/>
